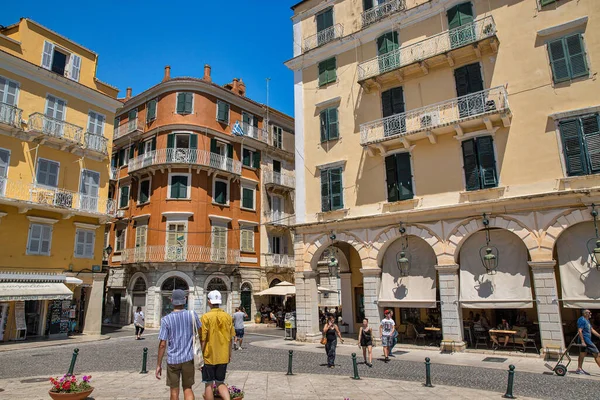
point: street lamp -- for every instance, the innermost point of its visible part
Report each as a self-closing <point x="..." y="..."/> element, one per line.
<point x="594" y="252"/>
<point x="489" y="254"/>
<point x="401" y="259"/>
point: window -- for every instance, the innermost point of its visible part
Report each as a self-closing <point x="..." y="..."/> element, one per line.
<point x="96" y="123"/>
<point x="329" y="124"/>
<point x="124" y="197"/>
<point x="144" y="193"/>
<point x="178" y="186"/>
<point x="61" y="61"/>
<point x="277" y="137"/>
<point x="220" y="191"/>
<point x="120" y="234"/>
<point x="546" y="2"/>
<point x="468" y="80"/>
<point x="4" y="163"/>
<point x="567" y="58"/>
<point x="219" y="242"/>
<point x="84" y="243"/>
<point x="55" y="110"/>
<point x="248" y="197"/>
<point x="185" y="103"/>
<point x="9" y="91"/>
<point x="324" y="21"/>
<point x="461" y="15"/>
<point x="327" y="71"/>
<point x="278" y="245"/>
<point x="222" y="112"/>
<point x="176" y="241"/>
<point x="332" y="197"/>
<point x="399" y="177"/>
<point x="39" y="240"/>
<point x="581" y="144"/>
<point x="247" y="239"/>
<point x="387" y="43"/>
<point x="151" y="110"/>
<point x="392" y="103"/>
<point x="250" y="125"/>
<point x="479" y="163"/>
<point x="47" y="172"/>
<point x="250" y="158"/>
<point x="89" y="186"/>
<point x="141" y="236"/>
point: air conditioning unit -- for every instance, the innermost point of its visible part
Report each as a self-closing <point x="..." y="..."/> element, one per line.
<point x="120" y="213"/>
<point x="429" y="119"/>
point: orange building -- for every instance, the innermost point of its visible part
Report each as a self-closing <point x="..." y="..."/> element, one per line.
<point x="187" y="168"/>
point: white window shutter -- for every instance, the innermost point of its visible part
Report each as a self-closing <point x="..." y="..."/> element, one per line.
<point x="79" y="243"/>
<point x="11" y="93"/>
<point x="75" y="67"/>
<point x="47" y="55"/>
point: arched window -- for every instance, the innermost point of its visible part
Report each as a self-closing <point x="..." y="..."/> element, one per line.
<point x="216" y="284"/>
<point x="274" y="282"/>
<point x="173" y="283"/>
<point x="140" y="285"/>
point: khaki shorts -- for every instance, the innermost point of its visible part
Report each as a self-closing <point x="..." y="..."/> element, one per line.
<point x="184" y="370"/>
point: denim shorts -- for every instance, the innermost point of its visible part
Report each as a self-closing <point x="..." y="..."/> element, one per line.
<point x="239" y="333"/>
<point x="387" y="340"/>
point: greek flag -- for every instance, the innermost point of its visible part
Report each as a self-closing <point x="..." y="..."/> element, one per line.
<point x="237" y="129"/>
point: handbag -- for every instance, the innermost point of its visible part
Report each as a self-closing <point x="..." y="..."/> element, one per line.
<point x="196" y="348"/>
<point x="323" y="340"/>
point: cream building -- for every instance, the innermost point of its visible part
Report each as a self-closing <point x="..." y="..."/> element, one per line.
<point x="418" y="121"/>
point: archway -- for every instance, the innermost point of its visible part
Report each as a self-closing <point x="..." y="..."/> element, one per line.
<point x="138" y="294"/>
<point x="166" y="290"/>
<point x="246" y="300"/>
<point x="274" y="282"/>
<point x="216" y="283"/>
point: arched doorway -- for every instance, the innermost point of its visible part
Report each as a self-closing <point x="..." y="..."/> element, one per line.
<point x="138" y="295"/>
<point x="274" y="282"/>
<point x="170" y="284"/>
<point x="246" y="300"/>
<point x="217" y="284"/>
<point x="275" y="301"/>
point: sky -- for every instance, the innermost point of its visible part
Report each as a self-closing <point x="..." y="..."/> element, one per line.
<point x="248" y="39"/>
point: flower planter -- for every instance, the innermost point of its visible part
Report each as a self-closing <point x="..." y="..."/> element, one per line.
<point x="219" y="397"/>
<point x="71" y="396"/>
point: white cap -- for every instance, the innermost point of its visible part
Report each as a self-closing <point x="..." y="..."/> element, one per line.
<point x="214" y="297"/>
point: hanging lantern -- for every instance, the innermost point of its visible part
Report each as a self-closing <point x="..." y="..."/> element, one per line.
<point x="594" y="251"/>
<point x="489" y="254"/>
<point x="402" y="260"/>
<point x="333" y="267"/>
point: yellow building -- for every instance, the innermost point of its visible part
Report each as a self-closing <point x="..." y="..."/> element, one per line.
<point x="55" y="138"/>
<point x="435" y="130"/>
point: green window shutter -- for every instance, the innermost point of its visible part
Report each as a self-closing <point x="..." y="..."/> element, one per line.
<point x="558" y="61"/>
<point x="121" y="157"/>
<point x="220" y="192"/>
<point x="325" y="191"/>
<point x="151" y="110"/>
<point x="331" y="70"/>
<point x="460" y="15"/>
<point x="591" y="135"/>
<point x="180" y="103"/>
<point x="188" y="103"/>
<point x="124" y="199"/>
<point x="391" y="175"/>
<point x="144" y="191"/>
<point x="323" y="118"/>
<point x="113" y="161"/>
<point x="470" y="164"/>
<point x="487" y="162"/>
<point x="404" y="176"/>
<point x="222" y="112"/>
<point x="322" y="73"/>
<point x="577" y="61"/>
<point x="226" y="112"/>
<point x="247" y="198"/>
<point x="179" y="187"/>
<point x="170" y="140"/>
<point x="213" y="146"/>
<point x="229" y="150"/>
<point x="337" y="195"/>
<point x="140" y="148"/>
<point x="256" y="159"/>
<point x="132" y="115"/>
<point x="154" y="143"/>
<point x="246" y="158"/>
<point x="453" y="17"/>
<point x="131" y="151"/>
<point x="193" y="141"/>
<point x="333" y="123"/>
<point x="573" y="147"/>
<point x="546" y="2"/>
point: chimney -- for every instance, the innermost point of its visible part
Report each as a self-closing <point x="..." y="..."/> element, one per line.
<point x="235" y="85"/>
<point x="206" y="76"/>
<point x="128" y="94"/>
<point x="167" y="73"/>
<point x="242" y="88"/>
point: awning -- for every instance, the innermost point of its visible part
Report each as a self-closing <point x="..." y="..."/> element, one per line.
<point x="278" y="291"/>
<point x="12" y="291"/>
<point x="322" y="289"/>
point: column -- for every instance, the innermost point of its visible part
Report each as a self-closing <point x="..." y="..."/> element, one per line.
<point x="307" y="312"/>
<point x="347" y="304"/>
<point x="371" y="284"/>
<point x="93" y="315"/>
<point x="452" y="325"/>
<point x="548" y="308"/>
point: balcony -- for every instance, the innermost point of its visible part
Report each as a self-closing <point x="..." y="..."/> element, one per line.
<point x="134" y="128"/>
<point x="440" y="49"/>
<point x="458" y="114"/>
<point x="10" y="116"/>
<point x="382" y="11"/>
<point x="254" y="132"/>
<point x="279" y="261"/>
<point x="96" y="143"/>
<point x="276" y="180"/>
<point x="325" y="36"/>
<point x="279" y="219"/>
<point x="26" y="195"/>
<point x="180" y="254"/>
<point x="113" y="173"/>
<point x="187" y="157"/>
<point x="56" y="131"/>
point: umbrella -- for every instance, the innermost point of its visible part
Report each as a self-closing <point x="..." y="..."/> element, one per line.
<point x="281" y="289"/>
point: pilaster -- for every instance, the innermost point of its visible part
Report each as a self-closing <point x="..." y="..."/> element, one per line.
<point x="548" y="308"/>
<point x="452" y="325"/>
<point x="371" y="284"/>
<point x="307" y="311"/>
<point x="93" y="314"/>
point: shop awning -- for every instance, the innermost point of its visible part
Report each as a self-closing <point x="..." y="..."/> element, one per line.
<point x="281" y="289"/>
<point x="13" y="291"/>
<point x="322" y="289"/>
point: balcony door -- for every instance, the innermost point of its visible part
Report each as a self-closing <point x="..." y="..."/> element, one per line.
<point x="468" y="83"/>
<point x="250" y="125"/>
<point x="55" y="111"/>
<point x="219" y="243"/>
<point x="276" y="171"/>
<point x="4" y="162"/>
<point x="324" y="21"/>
<point x="176" y="241"/>
<point x="88" y="190"/>
<point x="276" y="208"/>
<point x="392" y="103"/>
<point x="460" y="25"/>
<point x="8" y="101"/>
<point x="388" y="56"/>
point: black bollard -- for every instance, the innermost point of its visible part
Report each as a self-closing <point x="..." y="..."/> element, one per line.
<point x="428" y="372"/>
<point x="511" y="382"/>
<point x="291" y="354"/>
<point x="144" y="361"/>
<point x="73" y="360"/>
<point x="355" y="367"/>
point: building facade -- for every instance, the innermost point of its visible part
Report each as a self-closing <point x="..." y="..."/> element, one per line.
<point x="54" y="174"/>
<point x="200" y="174"/>
<point x="413" y="120"/>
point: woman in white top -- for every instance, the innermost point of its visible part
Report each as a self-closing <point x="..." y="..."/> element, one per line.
<point x="138" y="321"/>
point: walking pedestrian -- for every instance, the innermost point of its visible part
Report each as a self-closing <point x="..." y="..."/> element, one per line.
<point x="238" y="325"/>
<point x="331" y="332"/>
<point x="394" y="336"/>
<point x="217" y="340"/>
<point x="585" y="330"/>
<point x="138" y="321"/>
<point x="386" y="328"/>
<point x="365" y="340"/>
<point x="176" y="335"/>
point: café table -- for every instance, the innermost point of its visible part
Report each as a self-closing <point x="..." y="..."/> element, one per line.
<point x="434" y="332"/>
<point x="508" y="332"/>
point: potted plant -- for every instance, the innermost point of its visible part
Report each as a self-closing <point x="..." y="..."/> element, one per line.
<point x="234" y="393"/>
<point x="68" y="387"/>
<point x="257" y="318"/>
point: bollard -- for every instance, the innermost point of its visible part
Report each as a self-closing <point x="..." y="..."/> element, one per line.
<point x="290" y="363"/>
<point x="355" y="367"/>
<point x="144" y="361"/>
<point x="428" y="372"/>
<point x="73" y="360"/>
<point x="511" y="381"/>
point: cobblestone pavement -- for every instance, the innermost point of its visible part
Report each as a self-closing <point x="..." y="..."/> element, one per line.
<point x="125" y="354"/>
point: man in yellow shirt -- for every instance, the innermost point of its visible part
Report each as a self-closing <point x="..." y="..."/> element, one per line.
<point x="217" y="340"/>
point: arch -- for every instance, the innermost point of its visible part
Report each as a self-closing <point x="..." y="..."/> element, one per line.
<point x="174" y="283"/>
<point x="219" y="275"/>
<point x="271" y="277"/>
<point x="389" y="235"/>
<point x="559" y="225"/>
<point x="315" y="249"/>
<point x="246" y="286"/>
<point x="216" y="283"/>
<point x="134" y="279"/>
<point x="178" y="274"/>
<point x="469" y="226"/>
<point x="274" y="281"/>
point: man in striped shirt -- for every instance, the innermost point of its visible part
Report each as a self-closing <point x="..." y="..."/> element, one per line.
<point x="177" y="330"/>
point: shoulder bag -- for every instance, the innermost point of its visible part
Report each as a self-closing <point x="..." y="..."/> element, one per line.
<point x="196" y="347"/>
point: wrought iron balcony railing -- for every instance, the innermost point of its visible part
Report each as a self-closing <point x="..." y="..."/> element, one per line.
<point x="56" y="128"/>
<point x="325" y="36"/>
<point x="489" y="101"/>
<point x="114" y="173"/>
<point x="438" y="44"/>
<point x="32" y="193"/>
<point x="280" y="260"/>
<point x="180" y="253"/>
<point x="277" y="178"/>
<point x="279" y="218"/>
<point x="10" y="115"/>
<point x="97" y="143"/>
<point x="127" y="128"/>
<point x="382" y="11"/>
<point x="254" y="132"/>
<point x="186" y="156"/>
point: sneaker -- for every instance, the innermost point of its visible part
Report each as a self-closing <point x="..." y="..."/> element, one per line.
<point x="580" y="372"/>
<point x="585" y="372"/>
<point x="369" y="365"/>
<point x="240" y="348"/>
